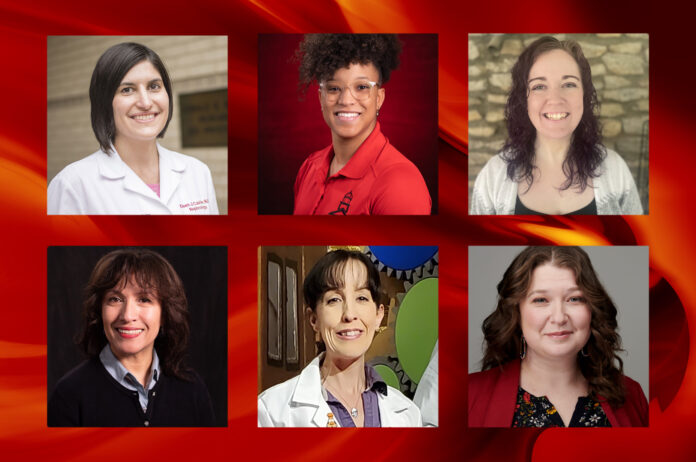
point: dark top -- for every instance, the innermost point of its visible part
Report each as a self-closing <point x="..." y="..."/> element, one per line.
<point x="375" y="385"/>
<point x="88" y="396"/>
<point x="521" y="209"/>
<point x="537" y="411"/>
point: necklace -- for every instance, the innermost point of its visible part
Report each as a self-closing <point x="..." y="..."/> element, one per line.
<point x="354" y="409"/>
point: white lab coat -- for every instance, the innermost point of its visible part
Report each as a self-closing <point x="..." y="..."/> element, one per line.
<point x="102" y="184"/>
<point x="299" y="402"/>
<point x="427" y="392"/>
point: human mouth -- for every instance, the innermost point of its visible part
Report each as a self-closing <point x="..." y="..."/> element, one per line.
<point x="556" y="115"/>
<point x="129" y="333"/>
<point x="144" y="117"/>
<point x="560" y="334"/>
<point x="349" y="334"/>
<point x="347" y="116"/>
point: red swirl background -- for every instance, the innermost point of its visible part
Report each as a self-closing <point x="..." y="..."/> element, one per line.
<point x="27" y="231"/>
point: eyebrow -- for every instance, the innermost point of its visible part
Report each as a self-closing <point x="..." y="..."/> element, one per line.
<point x="362" y="77"/>
<point x="543" y="291"/>
<point x="563" y="78"/>
<point x="131" y="83"/>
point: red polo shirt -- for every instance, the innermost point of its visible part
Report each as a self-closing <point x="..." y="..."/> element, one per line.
<point x="377" y="180"/>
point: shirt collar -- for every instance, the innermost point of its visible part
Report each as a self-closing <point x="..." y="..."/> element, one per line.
<point x="113" y="167"/>
<point x="363" y="159"/>
<point x="119" y="372"/>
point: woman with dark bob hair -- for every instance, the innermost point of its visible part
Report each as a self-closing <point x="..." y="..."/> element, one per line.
<point x="337" y="389"/>
<point x="551" y="350"/>
<point x="135" y="333"/>
<point x="360" y="173"/>
<point x="131" y="174"/>
<point x="553" y="161"/>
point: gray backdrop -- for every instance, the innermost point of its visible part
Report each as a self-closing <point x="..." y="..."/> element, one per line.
<point x="623" y="271"/>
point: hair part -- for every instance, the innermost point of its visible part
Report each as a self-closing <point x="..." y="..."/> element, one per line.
<point x="603" y="368"/>
<point x="108" y="73"/>
<point x="586" y="151"/>
<point x="321" y="55"/>
<point x="150" y="271"/>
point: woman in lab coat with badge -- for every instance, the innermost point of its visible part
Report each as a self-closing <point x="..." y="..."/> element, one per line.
<point x="337" y="389"/>
<point x="131" y="174"/>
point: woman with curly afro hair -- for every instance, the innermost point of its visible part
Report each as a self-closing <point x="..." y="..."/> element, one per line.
<point x="360" y="172"/>
<point x="553" y="162"/>
<point x="551" y="350"/>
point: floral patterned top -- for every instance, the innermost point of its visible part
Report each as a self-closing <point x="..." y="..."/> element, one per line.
<point x="535" y="411"/>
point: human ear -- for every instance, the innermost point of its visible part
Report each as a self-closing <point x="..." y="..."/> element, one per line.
<point x="380" y="315"/>
<point x="381" y="94"/>
<point x="312" y="316"/>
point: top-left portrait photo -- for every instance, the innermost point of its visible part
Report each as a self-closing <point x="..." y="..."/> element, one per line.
<point x="137" y="125"/>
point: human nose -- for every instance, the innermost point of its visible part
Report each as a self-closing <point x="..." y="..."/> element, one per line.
<point x="346" y="97"/>
<point x="558" y="312"/>
<point x="143" y="100"/>
<point x="129" y="309"/>
<point x="349" y="311"/>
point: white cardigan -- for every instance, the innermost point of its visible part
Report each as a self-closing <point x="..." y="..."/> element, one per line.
<point x="300" y="402"/>
<point x="615" y="191"/>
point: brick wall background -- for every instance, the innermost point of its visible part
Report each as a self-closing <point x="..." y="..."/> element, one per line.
<point x="195" y="63"/>
<point x="619" y="65"/>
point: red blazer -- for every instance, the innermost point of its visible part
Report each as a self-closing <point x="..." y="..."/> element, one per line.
<point x="493" y="395"/>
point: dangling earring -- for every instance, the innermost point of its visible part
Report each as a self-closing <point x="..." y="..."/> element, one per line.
<point x="523" y="348"/>
<point x="584" y="353"/>
<point x="377" y="113"/>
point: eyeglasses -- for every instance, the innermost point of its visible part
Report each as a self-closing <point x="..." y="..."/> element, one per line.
<point x="360" y="89"/>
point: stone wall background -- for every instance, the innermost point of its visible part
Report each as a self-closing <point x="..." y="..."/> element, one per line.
<point x="619" y="65"/>
<point x="194" y="63"/>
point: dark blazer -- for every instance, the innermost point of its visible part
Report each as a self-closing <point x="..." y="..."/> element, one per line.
<point x="493" y="394"/>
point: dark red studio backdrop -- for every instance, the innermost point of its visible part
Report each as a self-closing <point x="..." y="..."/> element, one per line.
<point x="27" y="232"/>
<point x="291" y="126"/>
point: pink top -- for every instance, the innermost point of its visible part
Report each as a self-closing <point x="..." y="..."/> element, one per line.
<point x="155" y="188"/>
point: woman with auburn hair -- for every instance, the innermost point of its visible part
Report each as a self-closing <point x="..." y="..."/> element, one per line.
<point x="360" y="173"/>
<point x="551" y="350"/>
<point x="135" y="333"/>
<point x="553" y="161"/>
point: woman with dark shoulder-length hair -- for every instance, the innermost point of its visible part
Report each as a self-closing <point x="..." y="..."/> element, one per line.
<point x="553" y="161"/>
<point x="360" y="173"/>
<point x="132" y="174"/>
<point x="551" y="350"/>
<point x="135" y="334"/>
<point x="337" y="389"/>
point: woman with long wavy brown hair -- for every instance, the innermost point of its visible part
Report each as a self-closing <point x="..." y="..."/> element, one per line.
<point x="551" y="349"/>
<point x="135" y="333"/>
<point x="553" y="161"/>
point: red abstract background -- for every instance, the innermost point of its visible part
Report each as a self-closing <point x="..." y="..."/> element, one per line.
<point x="27" y="231"/>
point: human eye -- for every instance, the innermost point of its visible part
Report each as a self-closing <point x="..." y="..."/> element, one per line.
<point x="576" y="299"/>
<point x="113" y="299"/>
<point x="538" y="87"/>
<point x="155" y="86"/>
<point x="332" y="88"/>
<point x="539" y="300"/>
<point x="127" y="90"/>
<point x="570" y="85"/>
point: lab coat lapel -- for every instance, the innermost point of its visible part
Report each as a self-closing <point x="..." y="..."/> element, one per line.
<point x="111" y="166"/>
<point x="391" y="411"/>
<point x="171" y="172"/>
<point x="308" y="396"/>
